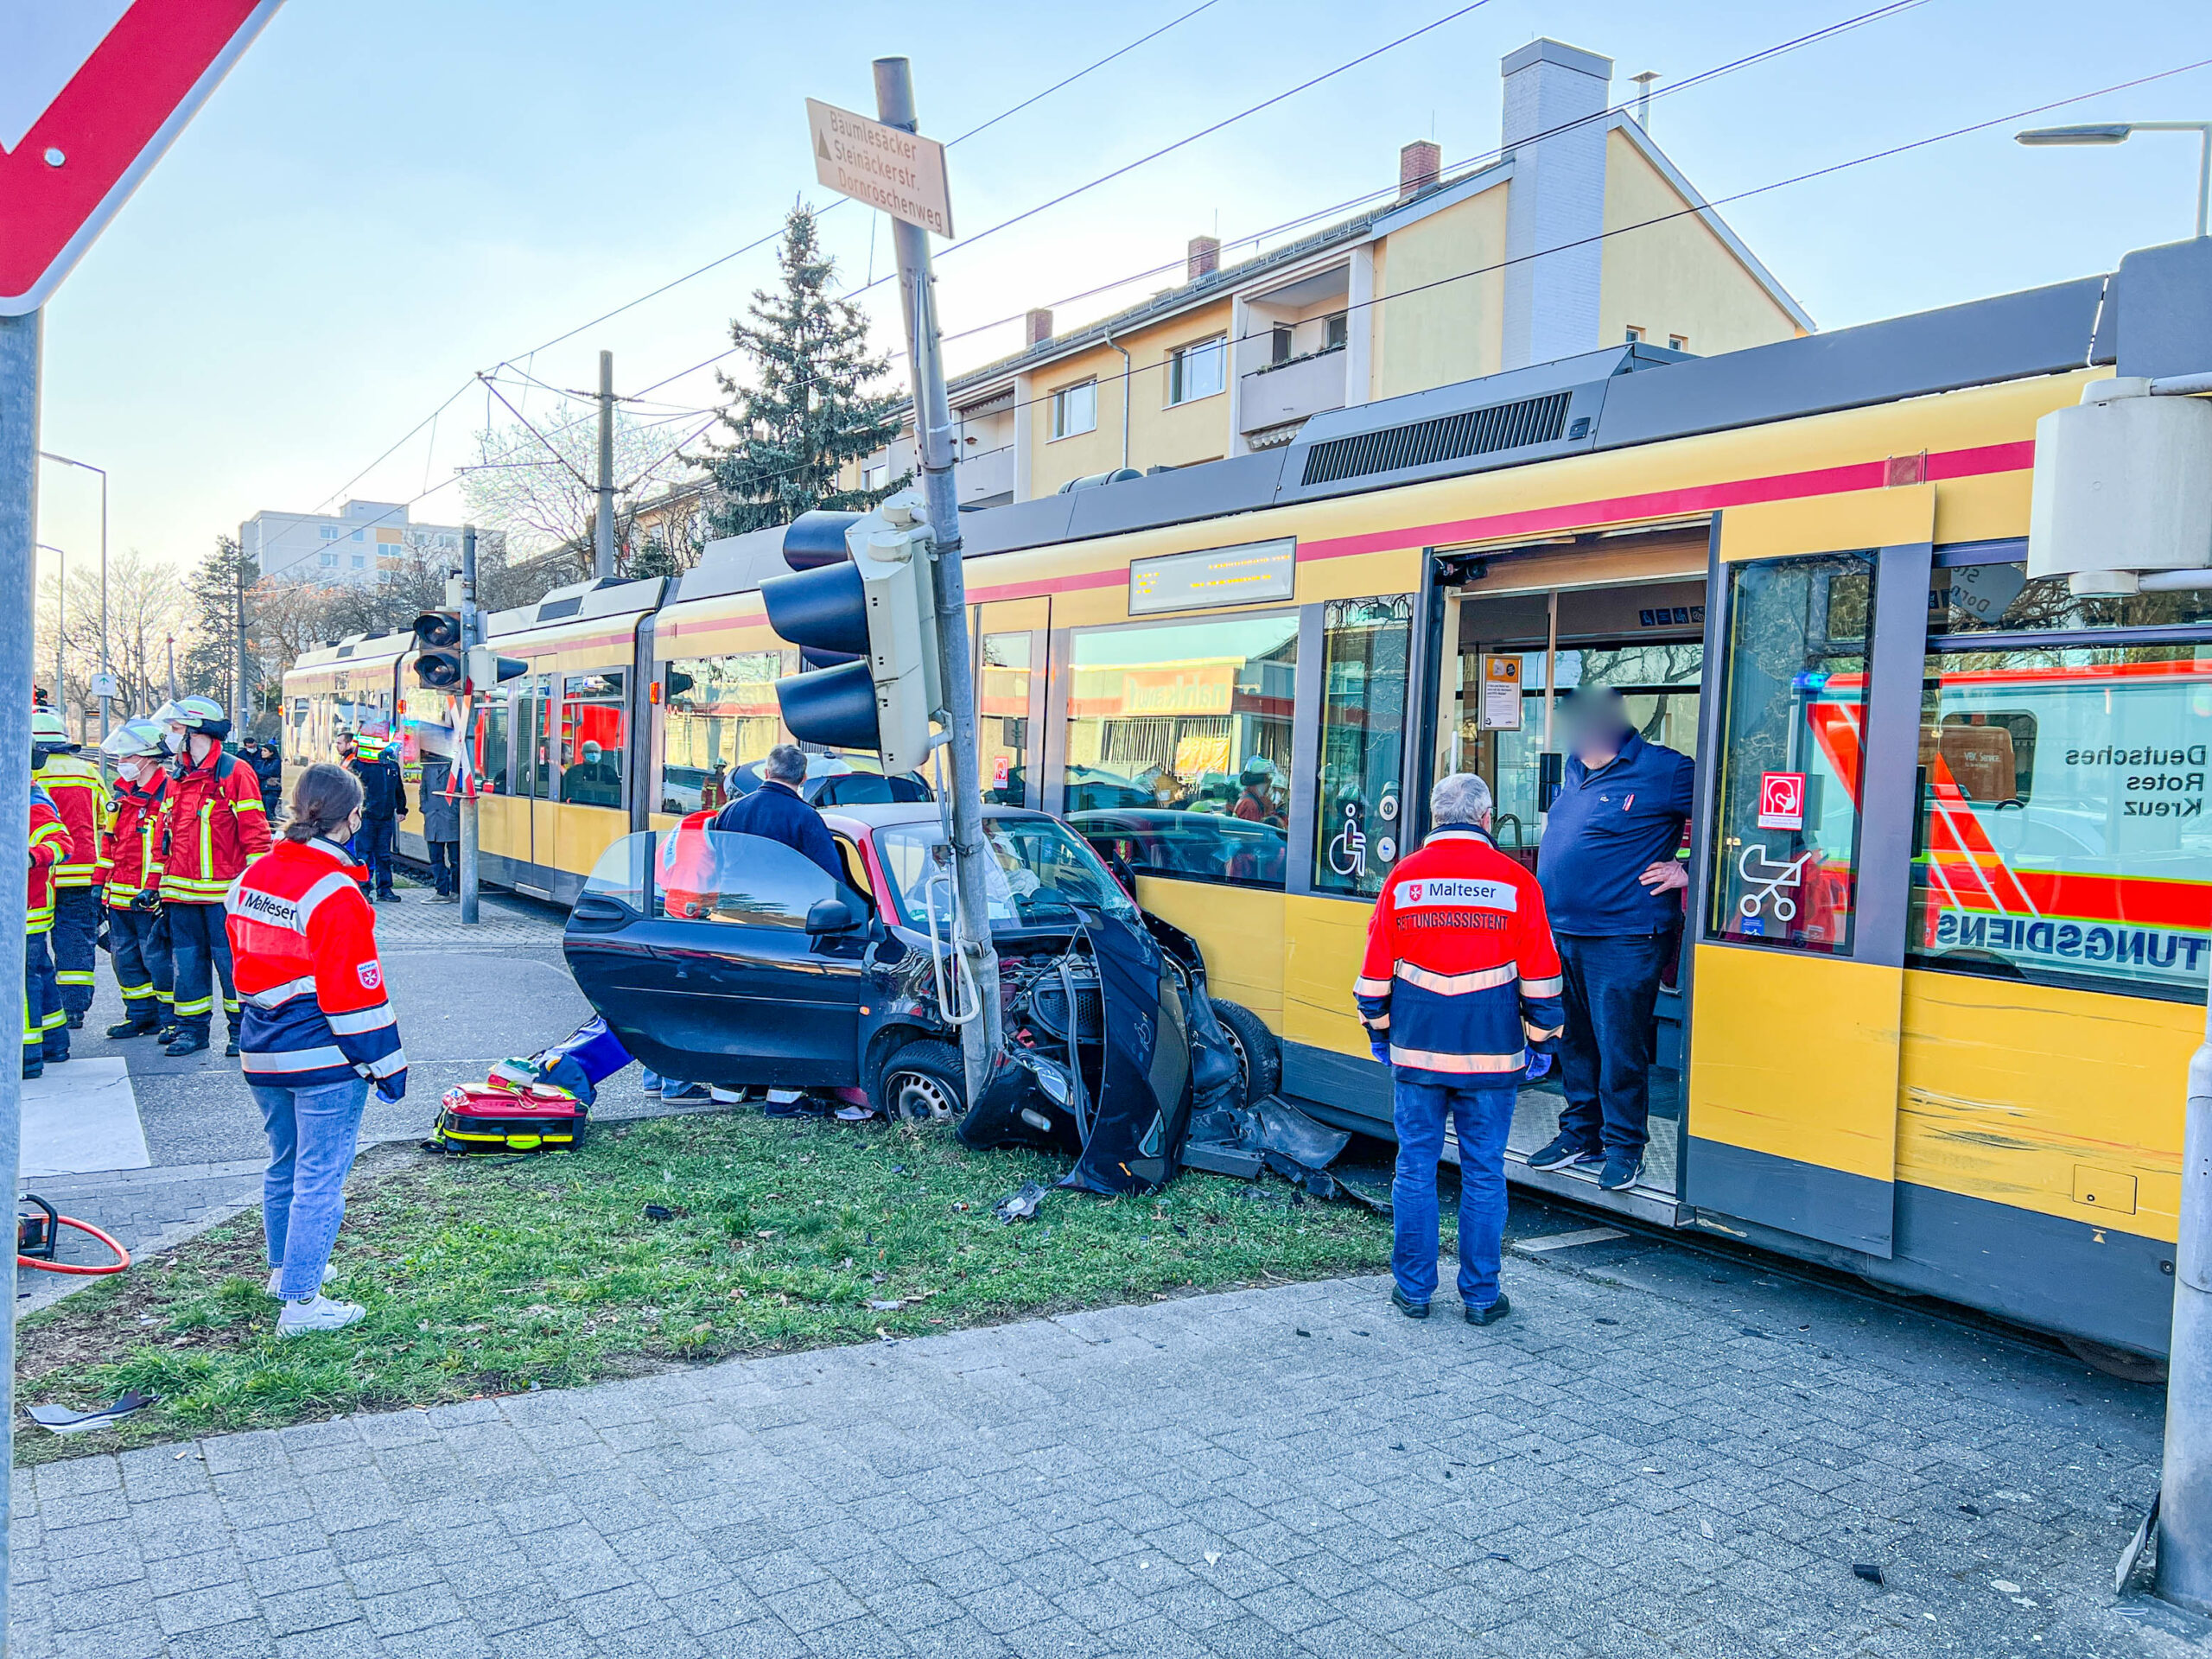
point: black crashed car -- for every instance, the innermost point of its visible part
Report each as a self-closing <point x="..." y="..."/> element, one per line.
<point x="741" y="962"/>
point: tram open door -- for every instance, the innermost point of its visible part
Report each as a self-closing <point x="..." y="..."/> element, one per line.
<point x="1516" y="627"/>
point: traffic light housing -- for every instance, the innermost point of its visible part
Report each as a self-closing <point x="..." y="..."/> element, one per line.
<point x="486" y="668"/>
<point x="438" y="662"/>
<point x="872" y="612"/>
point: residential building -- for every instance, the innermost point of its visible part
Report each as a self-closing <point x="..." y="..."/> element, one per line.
<point x="1579" y="233"/>
<point x="366" y="544"/>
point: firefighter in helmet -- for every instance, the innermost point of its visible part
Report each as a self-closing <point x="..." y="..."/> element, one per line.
<point x="213" y="825"/>
<point x="78" y="793"/>
<point x="130" y="881"/>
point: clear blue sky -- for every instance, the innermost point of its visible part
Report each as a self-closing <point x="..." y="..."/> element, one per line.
<point x="383" y="198"/>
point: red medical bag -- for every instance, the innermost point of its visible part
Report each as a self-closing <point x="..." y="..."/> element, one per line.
<point x="496" y="1117"/>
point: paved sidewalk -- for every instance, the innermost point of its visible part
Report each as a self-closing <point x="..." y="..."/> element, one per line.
<point x="1658" y="1454"/>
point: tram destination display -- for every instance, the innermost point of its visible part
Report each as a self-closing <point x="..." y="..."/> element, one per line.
<point x="1244" y="575"/>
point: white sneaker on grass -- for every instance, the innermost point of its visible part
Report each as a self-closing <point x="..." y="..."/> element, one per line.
<point x="306" y="1319"/>
<point x="276" y="1279"/>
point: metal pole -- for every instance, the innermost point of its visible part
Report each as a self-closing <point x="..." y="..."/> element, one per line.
<point x="106" y="702"/>
<point x="603" y="553"/>
<point x="2184" y="1573"/>
<point x="979" y="1039"/>
<point x="171" y="646"/>
<point x="19" y="372"/>
<point x="240" y="720"/>
<point x="470" y="634"/>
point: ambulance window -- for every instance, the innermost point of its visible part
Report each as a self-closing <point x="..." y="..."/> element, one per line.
<point x="1786" y="858"/>
<point x="2095" y="869"/>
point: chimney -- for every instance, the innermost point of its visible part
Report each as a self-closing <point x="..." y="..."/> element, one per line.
<point x="1418" y="167"/>
<point x="1037" y="326"/>
<point x="1203" y="257"/>
<point x="1555" y="130"/>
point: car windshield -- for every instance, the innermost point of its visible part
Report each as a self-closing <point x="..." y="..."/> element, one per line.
<point x="1036" y="875"/>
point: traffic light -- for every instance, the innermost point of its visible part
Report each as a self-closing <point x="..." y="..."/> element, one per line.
<point x="867" y="607"/>
<point x="438" y="662"/>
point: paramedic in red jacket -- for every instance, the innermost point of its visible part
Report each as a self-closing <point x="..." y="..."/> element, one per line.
<point x="213" y="826"/>
<point x="1461" y="983"/>
<point x="319" y="1033"/>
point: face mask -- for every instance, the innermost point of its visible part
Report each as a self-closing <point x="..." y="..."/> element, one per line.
<point x="128" y="771"/>
<point x="172" y="739"/>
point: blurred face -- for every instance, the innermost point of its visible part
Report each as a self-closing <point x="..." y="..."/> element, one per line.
<point x="1594" y="727"/>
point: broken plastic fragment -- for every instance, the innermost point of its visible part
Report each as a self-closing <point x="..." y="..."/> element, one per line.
<point x="1867" y="1571"/>
<point x="63" y="1421"/>
<point x="2005" y="1587"/>
<point x="1021" y="1206"/>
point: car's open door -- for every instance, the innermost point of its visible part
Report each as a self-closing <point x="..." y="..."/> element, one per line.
<point x="725" y="959"/>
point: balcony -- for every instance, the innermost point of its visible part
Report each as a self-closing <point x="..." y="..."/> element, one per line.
<point x="1283" y="392"/>
<point x="983" y="475"/>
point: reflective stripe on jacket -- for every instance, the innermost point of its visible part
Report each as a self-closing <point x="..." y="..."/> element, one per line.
<point x="303" y="951"/>
<point x="129" y="851"/>
<point x="76" y="786"/>
<point x="1461" y="977"/>
<point x="213" y="826"/>
<point x="49" y="846"/>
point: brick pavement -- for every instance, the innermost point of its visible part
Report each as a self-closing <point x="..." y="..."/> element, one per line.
<point x="1658" y="1455"/>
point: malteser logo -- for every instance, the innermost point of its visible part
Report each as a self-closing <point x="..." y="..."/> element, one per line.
<point x="268" y="908"/>
<point x="1433" y="891"/>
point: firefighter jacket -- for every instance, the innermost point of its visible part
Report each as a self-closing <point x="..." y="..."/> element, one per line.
<point x="78" y="789"/>
<point x="213" y="826"/>
<point x="1461" y="977"/>
<point x="50" y="848"/>
<point x="130" y="850"/>
<point x="303" y="950"/>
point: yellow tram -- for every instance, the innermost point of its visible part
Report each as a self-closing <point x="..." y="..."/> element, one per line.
<point x="1946" y="932"/>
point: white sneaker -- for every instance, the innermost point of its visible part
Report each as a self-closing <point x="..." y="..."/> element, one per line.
<point x="277" y="1278"/>
<point x="305" y="1319"/>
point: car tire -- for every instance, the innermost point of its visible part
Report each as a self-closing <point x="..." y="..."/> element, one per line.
<point x="1258" y="1055"/>
<point x="923" y="1083"/>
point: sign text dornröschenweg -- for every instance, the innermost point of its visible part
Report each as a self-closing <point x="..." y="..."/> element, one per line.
<point x="901" y="173"/>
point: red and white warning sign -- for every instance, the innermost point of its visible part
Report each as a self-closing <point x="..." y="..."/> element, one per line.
<point x="1001" y="771"/>
<point x="92" y="91"/>
<point x="1782" y="800"/>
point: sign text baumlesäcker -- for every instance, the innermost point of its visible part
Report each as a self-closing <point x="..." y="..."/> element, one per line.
<point x="900" y="172"/>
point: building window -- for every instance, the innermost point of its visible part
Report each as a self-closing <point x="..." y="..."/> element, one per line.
<point x="1279" y="343"/>
<point x="357" y="535"/>
<point x="1634" y="334"/>
<point x="1003" y="711"/>
<point x="360" y="563"/>
<point x="1357" y="836"/>
<point x="1178" y="746"/>
<point x="875" y="475"/>
<point x="330" y="532"/>
<point x="330" y="561"/>
<point x="1075" y="408"/>
<point x="720" y="714"/>
<point x="1337" y="327"/>
<point x="1678" y="342"/>
<point x="591" y="726"/>
<point x="1197" y="371"/>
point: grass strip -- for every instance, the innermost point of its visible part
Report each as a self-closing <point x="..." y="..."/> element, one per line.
<point x="488" y="1276"/>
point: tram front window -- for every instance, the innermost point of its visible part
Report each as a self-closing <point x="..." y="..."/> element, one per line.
<point x="1786" y="872"/>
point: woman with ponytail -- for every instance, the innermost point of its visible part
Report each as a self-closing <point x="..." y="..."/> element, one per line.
<point x="319" y="1033"/>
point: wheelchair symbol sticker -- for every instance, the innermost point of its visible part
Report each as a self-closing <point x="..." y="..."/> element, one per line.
<point x="1768" y="877"/>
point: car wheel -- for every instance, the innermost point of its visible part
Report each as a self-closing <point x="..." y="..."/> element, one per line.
<point x="923" y="1083"/>
<point x="1258" y="1057"/>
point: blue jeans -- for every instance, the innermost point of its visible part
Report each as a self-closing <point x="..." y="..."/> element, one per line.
<point x="1481" y="1117"/>
<point x="312" y="1136"/>
<point x="373" y="846"/>
<point x="1604" y="1053"/>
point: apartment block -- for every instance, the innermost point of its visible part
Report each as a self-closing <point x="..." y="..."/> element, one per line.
<point x="1577" y="232"/>
<point x="366" y="544"/>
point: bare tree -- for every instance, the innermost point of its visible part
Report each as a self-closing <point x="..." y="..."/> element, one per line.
<point x="535" y="481"/>
<point x="147" y="606"/>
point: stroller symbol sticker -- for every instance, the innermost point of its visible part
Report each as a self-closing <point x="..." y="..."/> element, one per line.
<point x="1767" y="877"/>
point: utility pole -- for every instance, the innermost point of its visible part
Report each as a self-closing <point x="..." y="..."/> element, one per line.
<point x="603" y="542"/>
<point x="471" y="634"/>
<point x="170" y="645"/>
<point x="19" y="374"/>
<point x="239" y="719"/>
<point x="981" y="1039"/>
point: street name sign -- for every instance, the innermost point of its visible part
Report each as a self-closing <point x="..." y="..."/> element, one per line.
<point x="92" y="91"/>
<point x="900" y="172"/>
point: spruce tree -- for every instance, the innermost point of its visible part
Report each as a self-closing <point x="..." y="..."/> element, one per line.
<point x="208" y="665"/>
<point x="810" y="411"/>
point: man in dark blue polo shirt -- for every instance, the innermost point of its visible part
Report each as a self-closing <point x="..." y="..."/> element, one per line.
<point x="1610" y="876"/>
<point x="776" y="811"/>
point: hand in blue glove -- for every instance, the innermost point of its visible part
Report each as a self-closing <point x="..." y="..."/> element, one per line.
<point x="1540" y="1065"/>
<point x="1379" y="1047"/>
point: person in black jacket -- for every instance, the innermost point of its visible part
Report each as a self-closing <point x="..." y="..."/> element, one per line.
<point x="775" y="811"/>
<point x="440" y="826"/>
<point x="383" y="803"/>
<point x="268" y="767"/>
